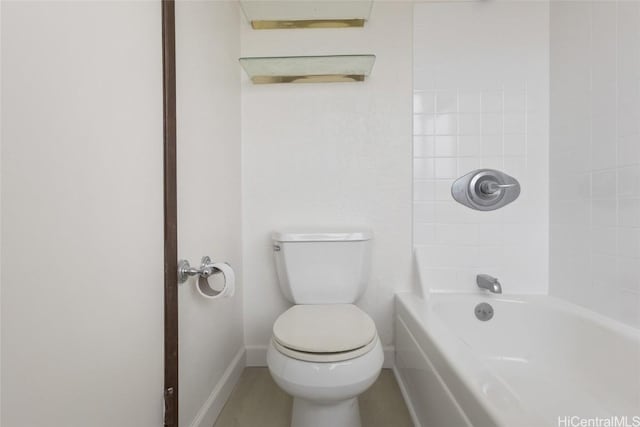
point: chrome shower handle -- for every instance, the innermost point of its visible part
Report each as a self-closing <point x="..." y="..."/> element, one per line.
<point x="485" y="189"/>
<point x="491" y="187"/>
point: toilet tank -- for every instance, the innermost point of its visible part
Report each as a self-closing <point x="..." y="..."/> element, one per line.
<point x="321" y="267"/>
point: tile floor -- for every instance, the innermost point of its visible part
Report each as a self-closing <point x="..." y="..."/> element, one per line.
<point x="257" y="401"/>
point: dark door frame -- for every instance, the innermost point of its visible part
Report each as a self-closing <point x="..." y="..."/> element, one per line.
<point x="170" y="215"/>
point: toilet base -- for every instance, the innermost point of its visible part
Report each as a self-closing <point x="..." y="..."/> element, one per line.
<point x="307" y="413"/>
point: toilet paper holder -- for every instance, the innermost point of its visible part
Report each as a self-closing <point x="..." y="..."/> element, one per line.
<point x="206" y="269"/>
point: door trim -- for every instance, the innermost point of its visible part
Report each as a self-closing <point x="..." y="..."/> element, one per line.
<point x="170" y="215"/>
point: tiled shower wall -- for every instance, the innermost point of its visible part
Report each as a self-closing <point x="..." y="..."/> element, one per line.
<point x="595" y="156"/>
<point x="481" y="101"/>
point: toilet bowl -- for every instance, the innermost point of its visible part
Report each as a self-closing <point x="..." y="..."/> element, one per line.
<point x="324" y="351"/>
<point x="325" y="356"/>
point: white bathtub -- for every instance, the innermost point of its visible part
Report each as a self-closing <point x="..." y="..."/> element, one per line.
<point x="538" y="362"/>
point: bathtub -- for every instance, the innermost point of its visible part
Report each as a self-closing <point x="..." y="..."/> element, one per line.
<point x="539" y="361"/>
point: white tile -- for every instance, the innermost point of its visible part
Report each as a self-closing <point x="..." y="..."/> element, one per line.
<point x="603" y="41"/>
<point x="603" y="213"/>
<point x="570" y="240"/>
<point x="446" y="146"/>
<point x="491" y="145"/>
<point x="628" y="34"/>
<point x="424" y="191"/>
<point x="424" y="102"/>
<point x="537" y="124"/>
<point x="629" y="212"/>
<point x="423" y="169"/>
<point x="560" y="188"/>
<point x="449" y="257"/>
<point x="517" y="167"/>
<point x="578" y="160"/>
<point x="458" y="256"/>
<point x="492" y="124"/>
<point x="457" y="234"/>
<point x="492" y="162"/>
<point x="450" y="212"/>
<point x="629" y="181"/>
<point x="515" y="123"/>
<point x="424" y="124"/>
<point x="628" y="274"/>
<point x="600" y="296"/>
<point x="423" y="234"/>
<point x="491" y="258"/>
<point x="445" y="168"/>
<point x="603" y="184"/>
<point x="424" y="212"/>
<point x="515" y="145"/>
<point x="515" y="235"/>
<point x="446" y="124"/>
<point x="627" y="119"/>
<point x="629" y="242"/>
<point x="423" y="146"/>
<point x="492" y="102"/>
<point x="477" y="80"/>
<point x="491" y="233"/>
<point x="604" y="240"/>
<point x="467" y="164"/>
<point x="469" y="124"/>
<point x="443" y="190"/>
<point x="515" y="102"/>
<point x="469" y="102"/>
<point x="629" y="307"/>
<point x="440" y="279"/>
<point x="466" y="279"/>
<point x="469" y="145"/>
<point x="573" y="212"/>
<point x="446" y="102"/>
<point x="629" y="150"/>
<point x="603" y="154"/>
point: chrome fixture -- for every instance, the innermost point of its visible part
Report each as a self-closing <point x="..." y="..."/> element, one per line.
<point x="206" y="269"/>
<point x="489" y="283"/>
<point x="483" y="311"/>
<point x="485" y="189"/>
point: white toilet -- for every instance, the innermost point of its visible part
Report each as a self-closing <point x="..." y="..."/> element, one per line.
<point x="324" y="351"/>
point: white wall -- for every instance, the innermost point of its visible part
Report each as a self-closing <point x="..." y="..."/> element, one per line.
<point x="82" y="259"/>
<point x="595" y="156"/>
<point x="209" y="218"/>
<point x="481" y="101"/>
<point x="328" y="155"/>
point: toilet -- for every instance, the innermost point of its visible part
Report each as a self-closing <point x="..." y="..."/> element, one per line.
<point x="324" y="351"/>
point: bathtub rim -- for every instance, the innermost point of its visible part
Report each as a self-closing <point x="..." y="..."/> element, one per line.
<point x="454" y="369"/>
<point x="466" y="369"/>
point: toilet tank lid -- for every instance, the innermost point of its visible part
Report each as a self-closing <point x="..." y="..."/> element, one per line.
<point x="322" y="236"/>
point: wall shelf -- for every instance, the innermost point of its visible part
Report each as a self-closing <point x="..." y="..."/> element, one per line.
<point x="286" y="14"/>
<point x="308" y="69"/>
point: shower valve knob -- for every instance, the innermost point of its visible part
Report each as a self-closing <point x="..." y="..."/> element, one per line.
<point x="485" y="189"/>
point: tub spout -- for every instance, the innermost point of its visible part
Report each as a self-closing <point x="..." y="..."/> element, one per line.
<point x="490" y="283"/>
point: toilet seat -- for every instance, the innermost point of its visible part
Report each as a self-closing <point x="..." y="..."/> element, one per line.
<point x="325" y="357"/>
<point x="324" y="332"/>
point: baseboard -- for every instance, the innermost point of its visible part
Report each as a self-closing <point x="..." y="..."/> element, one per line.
<point x="257" y="356"/>
<point x="405" y="396"/>
<point x="389" y="357"/>
<point x="209" y="412"/>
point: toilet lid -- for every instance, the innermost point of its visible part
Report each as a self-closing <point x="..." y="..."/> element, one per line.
<point x="324" y="328"/>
